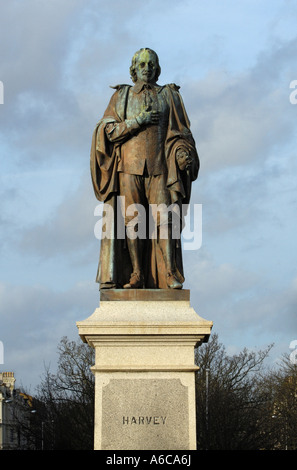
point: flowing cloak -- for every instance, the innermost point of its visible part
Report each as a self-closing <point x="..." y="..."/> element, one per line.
<point x="114" y="267"/>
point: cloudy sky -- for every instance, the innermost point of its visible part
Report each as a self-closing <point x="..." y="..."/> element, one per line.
<point x="234" y="61"/>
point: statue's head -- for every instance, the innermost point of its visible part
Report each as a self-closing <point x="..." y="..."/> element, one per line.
<point x="145" y="66"/>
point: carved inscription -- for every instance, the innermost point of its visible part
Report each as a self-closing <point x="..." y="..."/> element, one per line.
<point x="154" y="420"/>
<point x="144" y="414"/>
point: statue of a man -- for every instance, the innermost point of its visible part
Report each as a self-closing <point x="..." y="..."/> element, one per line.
<point x="143" y="150"/>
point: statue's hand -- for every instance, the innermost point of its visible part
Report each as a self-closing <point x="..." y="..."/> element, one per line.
<point x="183" y="159"/>
<point x="148" y="117"/>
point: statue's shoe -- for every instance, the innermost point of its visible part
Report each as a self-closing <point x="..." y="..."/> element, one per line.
<point x="173" y="282"/>
<point x="136" y="281"/>
<point x="107" y="285"/>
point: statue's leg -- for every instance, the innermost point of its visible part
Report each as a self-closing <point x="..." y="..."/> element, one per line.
<point x="168" y="252"/>
<point x="160" y="201"/>
<point x="131" y="190"/>
<point x="135" y="251"/>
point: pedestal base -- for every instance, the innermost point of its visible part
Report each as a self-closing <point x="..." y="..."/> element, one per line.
<point x="144" y="369"/>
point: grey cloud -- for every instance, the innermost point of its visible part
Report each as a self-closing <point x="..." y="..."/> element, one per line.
<point x="38" y="317"/>
<point x="37" y="37"/>
<point x="57" y="64"/>
<point x="247" y="308"/>
<point x="242" y="119"/>
<point x="69" y="231"/>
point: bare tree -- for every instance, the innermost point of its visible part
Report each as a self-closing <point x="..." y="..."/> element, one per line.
<point x="281" y="385"/>
<point x="241" y="405"/>
<point x="231" y="404"/>
<point x="68" y="397"/>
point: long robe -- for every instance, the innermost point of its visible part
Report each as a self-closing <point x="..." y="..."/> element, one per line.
<point x="114" y="267"/>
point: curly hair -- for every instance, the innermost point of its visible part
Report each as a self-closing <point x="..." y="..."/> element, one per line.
<point x="134" y="61"/>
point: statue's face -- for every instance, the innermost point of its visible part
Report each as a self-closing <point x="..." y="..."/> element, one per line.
<point x="146" y="67"/>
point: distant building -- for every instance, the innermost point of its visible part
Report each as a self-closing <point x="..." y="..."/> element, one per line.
<point x="14" y="414"/>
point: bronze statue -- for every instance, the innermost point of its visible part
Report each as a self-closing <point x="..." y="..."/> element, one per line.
<point x="143" y="150"/>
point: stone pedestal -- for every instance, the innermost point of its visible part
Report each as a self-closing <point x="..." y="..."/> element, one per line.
<point x="144" y="369"/>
